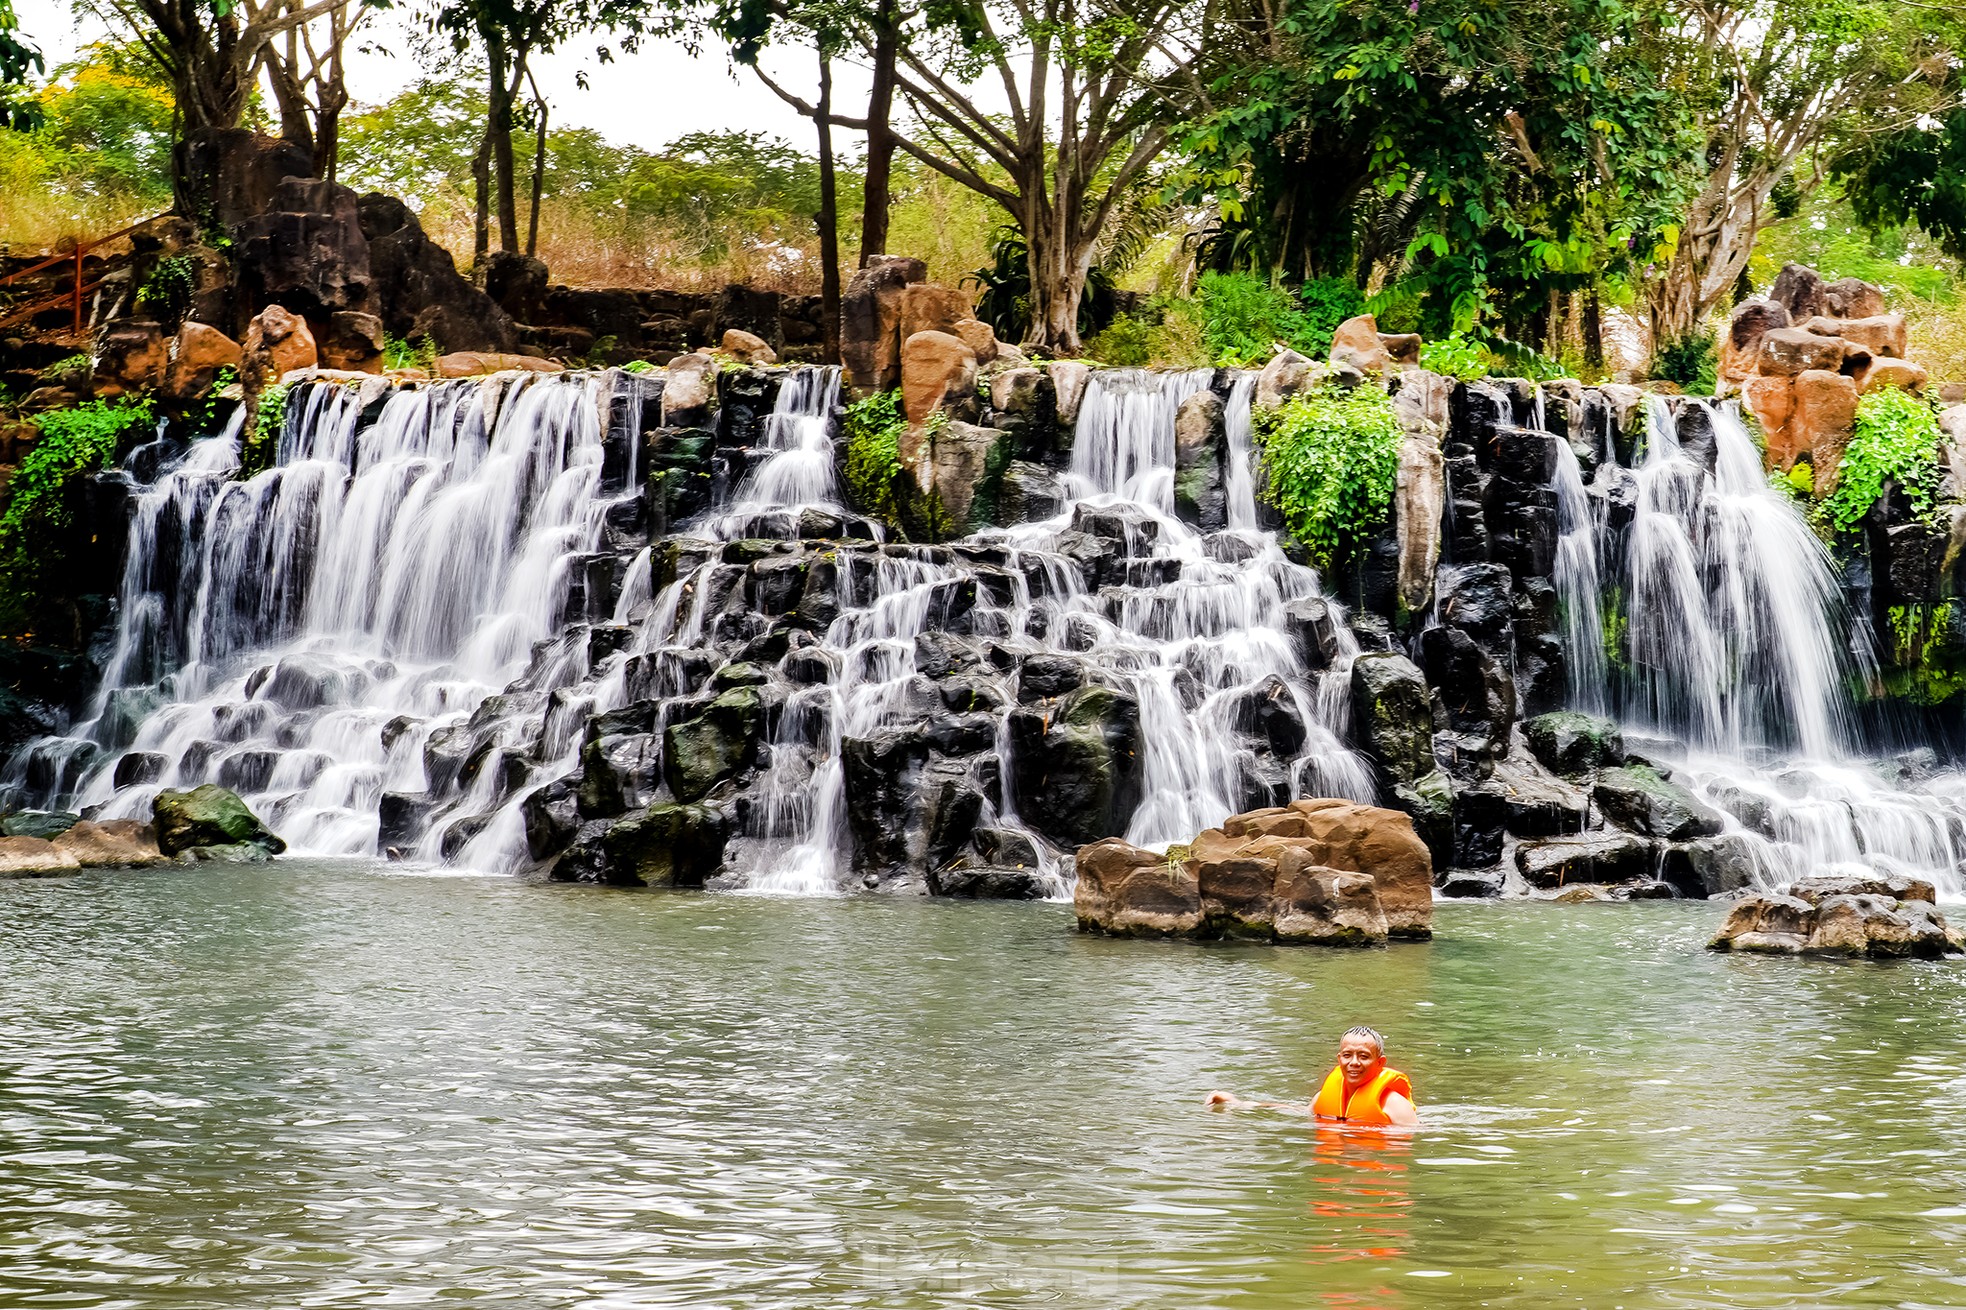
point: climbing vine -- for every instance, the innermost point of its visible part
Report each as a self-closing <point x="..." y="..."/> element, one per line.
<point x="1896" y="440"/>
<point x="1925" y="669"/>
<point x="39" y="507"/>
<point x="262" y="437"/>
<point x="1332" y="459"/>
<point x="873" y="453"/>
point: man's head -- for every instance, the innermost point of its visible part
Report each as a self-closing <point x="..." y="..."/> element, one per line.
<point x="1361" y="1054"/>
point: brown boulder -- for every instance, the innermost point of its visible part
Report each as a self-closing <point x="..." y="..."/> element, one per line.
<point x="1882" y="334"/>
<point x="748" y="347"/>
<point x="689" y="390"/>
<point x="34" y="857"/>
<point x="130" y="356"/>
<point x="354" y="342"/>
<point x="1130" y="892"/>
<point x="1357" y="343"/>
<point x="1068" y="382"/>
<point x="1852" y="297"/>
<point x="1317" y="906"/>
<point x="1825" y="411"/>
<point x="936" y="368"/>
<point x="1786" y="352"/>
<point x="1799" y="290"/>
<point x="952" y="462"/>
<point x="1886" y="372"/>
<point x="1837" y="921"/>
<point x="476" y="363"/>
<point x="979" y="337"/>
<point x="1403" y="348"/>
<point x="870" y="320"/>
<point x="277" y="343"/>
<point x="111" y="844"/>
<point x="1741" y="351"/>
<point x="198" y="353"/>
<point x="1772" y="402"/>
<point x="926" y="307"/>
<point x="306" y="250"/>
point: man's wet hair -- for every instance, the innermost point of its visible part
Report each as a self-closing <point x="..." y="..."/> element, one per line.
<point x="1371" y="1035"/>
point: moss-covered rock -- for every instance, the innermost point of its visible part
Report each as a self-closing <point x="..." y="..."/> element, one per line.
<point x="208" y="816"/>
<point x="1570" y="742"/>
<point x="1393" y="712"/>
<point x="666" y="846"/>
<point x="1637" y="798"/>
<point x="705" y="750"/>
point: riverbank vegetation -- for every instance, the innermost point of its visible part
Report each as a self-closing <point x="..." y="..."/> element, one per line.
<point x="1571" y="187"/>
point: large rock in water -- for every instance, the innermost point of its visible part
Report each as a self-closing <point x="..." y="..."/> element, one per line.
<point x="1075" y="767"/>
<point x="1326" y="872"/>
<point x="1637" y="798"/>
<point x="208" y="817"/>
<point x="1883" y="917"/>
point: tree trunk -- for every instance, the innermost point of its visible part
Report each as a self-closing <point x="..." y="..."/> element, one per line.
<point x="829" y="218"/>
<point x="498" y="131"/>
<point x="1713" y="250"/>
<point x="1057" y="285"/>
<point x="1593" y="330"/>
<point x="481" y="224"/>
<point x="295" y="124"/>
<point x="880" y="136"/>
<point x="538" y="173"/>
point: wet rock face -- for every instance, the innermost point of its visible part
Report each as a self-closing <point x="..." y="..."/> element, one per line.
<point x="1637" y="798"/>
<point x="1075" y="764"/>
<point x="208" y="818"/>
<point x="1327" y="873"/>
<point x="1881" y="917"/>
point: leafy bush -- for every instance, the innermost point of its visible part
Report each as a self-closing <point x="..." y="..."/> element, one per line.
<point x="398" y="352"/>
<point x="1127" y="342"/>
<point x="873" y="453"/>
<point x="262" y="438"/>
<point x="1332" y="461"/>
<point x="1327" y="302"/>
<point x="1242" y="317"/>
<point x="638" y="366"/>
<point x="1689" y="361"/>
<point x="1896" y="440"/>
<point x="1456" y="357"/>
<point x="166" y="291"/>
<point x="73" y="442"/>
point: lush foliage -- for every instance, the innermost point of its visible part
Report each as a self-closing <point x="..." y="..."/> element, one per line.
<point x="1896" y="441"/>
<point x="261" y="442"/>
<point x="873" y="453"/>
<point x="95" y="153"/>
<point x="1243" y="317"/>
<point x="73" y="442"/>
<point x="399" y="352"/>
<point x="1331" y="460"/>
<point x="1690" y="361"/>
<point x="1456" y="357"/>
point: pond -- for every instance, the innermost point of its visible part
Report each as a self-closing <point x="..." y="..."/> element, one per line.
<point x="327" y="1085"/>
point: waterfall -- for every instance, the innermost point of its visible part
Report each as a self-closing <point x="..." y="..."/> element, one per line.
<point x="314" y="636"/>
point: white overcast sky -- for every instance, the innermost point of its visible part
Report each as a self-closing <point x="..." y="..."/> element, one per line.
<point x="647" y="99"/>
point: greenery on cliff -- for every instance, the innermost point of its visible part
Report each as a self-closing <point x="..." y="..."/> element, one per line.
<point x="1331" y="457"/>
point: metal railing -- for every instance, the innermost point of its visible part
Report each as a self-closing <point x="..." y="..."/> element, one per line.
<point x="80" y="285"/>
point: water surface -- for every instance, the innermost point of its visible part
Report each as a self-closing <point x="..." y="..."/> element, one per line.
<point x="323" y="1085"/>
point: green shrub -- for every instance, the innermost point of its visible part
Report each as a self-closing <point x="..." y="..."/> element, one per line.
<point x="1689" y="361"/>
<point x="39" y="500"/>
<point x="1242" y="317"/>
<point x="873" y="453"/>
<point x="1332" y="460"/>
<point x="1127" y="342"/>
<point x="1327" y="302"/>
<point x="166" y="290"/>
<point x="262" y="438"/>
<point x="1896" y="440"/>
<point x="1456" y="357"/>
<point x="638" y="366"/>
<point x="398" y="352"/>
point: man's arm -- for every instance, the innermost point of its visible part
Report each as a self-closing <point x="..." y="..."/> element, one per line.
<point x="1401" y="1111"/>
<point x="1228" y="1101"/>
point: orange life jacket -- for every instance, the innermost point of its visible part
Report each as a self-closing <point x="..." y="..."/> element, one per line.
<point x="1367" y="1105"/>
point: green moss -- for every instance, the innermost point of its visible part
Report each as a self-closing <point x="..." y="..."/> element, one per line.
<point x="1332" y="461"/>
<point x="1926" y="660"/>
<point x="399" y="352"/>
<point x="262" y="440"/>
<point x="873" y="454"/>
<point x="35" y="525"/>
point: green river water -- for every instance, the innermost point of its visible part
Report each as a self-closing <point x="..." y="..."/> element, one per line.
<point x="323" y="1085"/>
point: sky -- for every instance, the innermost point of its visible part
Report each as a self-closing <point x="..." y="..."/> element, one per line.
<point x="646" y="99"/>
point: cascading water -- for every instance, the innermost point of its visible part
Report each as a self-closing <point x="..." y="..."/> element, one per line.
<point x="1739" y="650"/>
<point x="309" y="636"/>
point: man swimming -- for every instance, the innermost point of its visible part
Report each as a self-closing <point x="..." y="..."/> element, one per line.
<point x="1360" y="1089"/>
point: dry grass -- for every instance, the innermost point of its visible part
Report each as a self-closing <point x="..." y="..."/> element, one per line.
<point x="1937" y="331"/>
